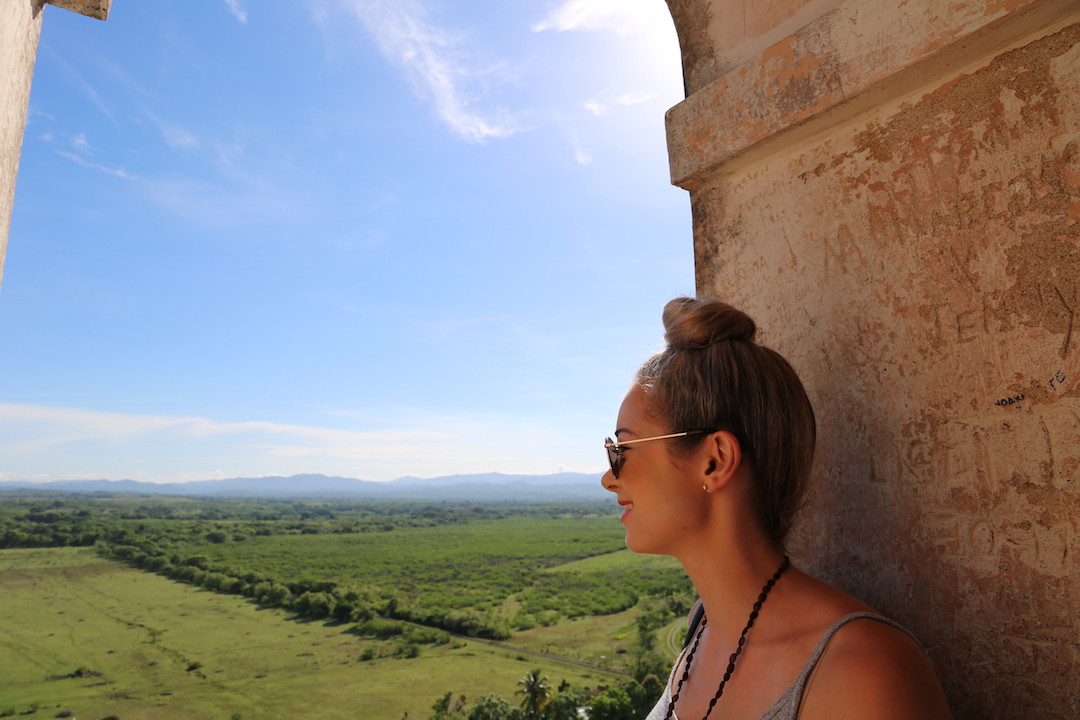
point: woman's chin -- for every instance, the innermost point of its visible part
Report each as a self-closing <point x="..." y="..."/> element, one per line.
<point x="638" y="546"/>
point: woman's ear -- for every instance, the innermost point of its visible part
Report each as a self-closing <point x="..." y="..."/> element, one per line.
<point x="721" y="459"/>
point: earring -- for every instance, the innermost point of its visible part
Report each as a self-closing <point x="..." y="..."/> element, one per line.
<point x="705" y="487"/>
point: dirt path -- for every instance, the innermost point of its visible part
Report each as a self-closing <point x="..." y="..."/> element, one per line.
<point x="674" y="636"/>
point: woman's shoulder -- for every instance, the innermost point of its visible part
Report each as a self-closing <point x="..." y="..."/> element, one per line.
<point x="872" y="668"/>
<point x="866" y="665"/>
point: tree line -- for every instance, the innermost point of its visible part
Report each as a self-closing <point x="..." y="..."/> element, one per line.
<point x="537" y="701"/>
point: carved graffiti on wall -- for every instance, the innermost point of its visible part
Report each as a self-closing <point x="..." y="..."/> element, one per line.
<point x="921" y="267"/>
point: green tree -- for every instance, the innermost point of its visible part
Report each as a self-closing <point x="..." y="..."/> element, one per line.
<point x="534" y="691"/>
<point x="491" y="707"/>
<point x="315" y="604"/>
<point x="343" y="610"/>
<point x="613" y="704"/>
<point x="441" y="706"/>
<point x="630" y="699"/>
<point x="564" y="706"/>
<point x="645" y="693"/>
<point x="444" y="709"/>
<point x="275" y="594"/>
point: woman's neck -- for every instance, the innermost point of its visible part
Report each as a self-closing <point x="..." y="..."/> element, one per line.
<point x="728" y="571"/>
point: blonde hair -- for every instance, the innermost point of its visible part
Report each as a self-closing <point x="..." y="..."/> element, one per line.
<point x="714" y="376"/>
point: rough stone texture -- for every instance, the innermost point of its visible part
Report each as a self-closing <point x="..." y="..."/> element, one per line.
<point x="20" y="26"/>
<point x="849" y="60"/>
<point x="715" y="37"/>
<point x="916" y="254"/>
<point x="91" y="8"/>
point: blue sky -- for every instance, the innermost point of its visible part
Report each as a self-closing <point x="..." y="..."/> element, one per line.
<point x="354" y="237"/>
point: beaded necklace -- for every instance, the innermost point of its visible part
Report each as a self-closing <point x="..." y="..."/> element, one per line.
<point x="738" y="650"/>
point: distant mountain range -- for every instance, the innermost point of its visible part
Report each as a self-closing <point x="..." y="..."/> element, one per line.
<point x="487" y="486"/>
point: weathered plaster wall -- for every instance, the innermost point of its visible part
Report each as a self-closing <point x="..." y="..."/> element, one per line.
<point x="20" y="28"/>
<point x="900" y="210"/>
<point x="716" y="37"/>
<point x="20" y="25"/>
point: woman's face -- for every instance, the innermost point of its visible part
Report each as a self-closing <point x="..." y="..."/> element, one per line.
<point x="657" y="493"/>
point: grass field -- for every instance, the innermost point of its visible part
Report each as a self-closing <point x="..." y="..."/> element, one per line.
<point x="100" y="639"/>
<point x="599" y="639"/>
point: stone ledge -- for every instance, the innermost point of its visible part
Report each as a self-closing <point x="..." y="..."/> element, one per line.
<point x="91" y="8"/>
<point x="817" y="76"/>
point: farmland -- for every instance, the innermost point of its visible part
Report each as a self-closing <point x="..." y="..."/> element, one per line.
<point x="217" y="609"/>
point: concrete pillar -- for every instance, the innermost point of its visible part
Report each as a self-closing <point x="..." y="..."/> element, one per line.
<point x="20" y="27"/>
<point x="892" y="189"/>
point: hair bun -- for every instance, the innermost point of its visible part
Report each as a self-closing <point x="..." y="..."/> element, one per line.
<point x="693" y="324"/>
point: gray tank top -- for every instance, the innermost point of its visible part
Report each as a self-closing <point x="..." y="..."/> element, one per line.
<point x="787" y="706"/>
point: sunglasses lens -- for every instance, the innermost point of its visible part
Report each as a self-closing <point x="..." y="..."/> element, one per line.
<point x="613" y="457"/>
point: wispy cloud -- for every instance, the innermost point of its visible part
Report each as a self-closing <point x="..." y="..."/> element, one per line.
<point x="59" y="427"/>
<point x="618" y="16"/>
<point x="582" y="156"/>
<point x="80" y="144"/>
<point x="44" y="443"/>
<point x="237" y="10"/>
<point x="77" y="149"/>
<point x="432" y="56"/>
<point x="600" y="105"/>
<point x="77" y="78"/>
<point x="639" y="57"/>
<point x="117" y="172"/>
<point x="175" y="136"/>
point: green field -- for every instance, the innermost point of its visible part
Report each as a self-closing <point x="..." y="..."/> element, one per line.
<point x="518" y="572"/>
<point x="127" y="607"/>
<point x="92" y="636"/>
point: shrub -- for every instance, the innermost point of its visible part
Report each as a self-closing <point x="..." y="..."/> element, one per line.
<point x="380" y="628"/>
<point x="234" y="586"/>
<point x="315" y="604"/>
<point x="408" y="650"/>
<point x="214" y="581"/>
<point x="427" y="636"/>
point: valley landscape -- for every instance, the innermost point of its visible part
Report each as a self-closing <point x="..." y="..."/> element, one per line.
<point x="132" y="606"/>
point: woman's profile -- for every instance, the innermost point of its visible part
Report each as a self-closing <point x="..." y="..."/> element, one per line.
<point x="710" y="460"/>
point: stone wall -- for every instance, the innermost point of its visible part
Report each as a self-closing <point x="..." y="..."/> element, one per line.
<point x="893" y="191"/>
<point x="20" y="27"/>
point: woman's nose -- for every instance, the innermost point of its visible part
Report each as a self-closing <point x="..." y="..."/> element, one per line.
<point x="608" y="481"/>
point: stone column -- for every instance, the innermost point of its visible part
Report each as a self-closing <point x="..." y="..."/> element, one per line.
<point x="892" y="189"/>
<point x="20" y="27"/>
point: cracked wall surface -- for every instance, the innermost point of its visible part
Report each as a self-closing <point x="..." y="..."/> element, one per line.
<point x="908" y="235"/>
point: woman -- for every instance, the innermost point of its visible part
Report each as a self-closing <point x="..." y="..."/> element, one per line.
<point x="710" y="460"/>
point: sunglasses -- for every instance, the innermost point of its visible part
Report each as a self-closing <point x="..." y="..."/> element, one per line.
<point x="615" y="449"/>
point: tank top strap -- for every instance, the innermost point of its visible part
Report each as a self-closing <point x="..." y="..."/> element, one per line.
<point x="787" y="707"/>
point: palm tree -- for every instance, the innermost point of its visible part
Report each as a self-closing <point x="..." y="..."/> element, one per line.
<point x="534" y="692"/>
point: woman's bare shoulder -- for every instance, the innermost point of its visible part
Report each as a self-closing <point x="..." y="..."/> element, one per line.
<point x="871" y="669"/>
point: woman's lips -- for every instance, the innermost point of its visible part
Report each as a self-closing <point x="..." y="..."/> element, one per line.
<point x="628" y="506"/>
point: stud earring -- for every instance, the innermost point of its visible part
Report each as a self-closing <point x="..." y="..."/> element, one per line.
<point x="705" y="487"/>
